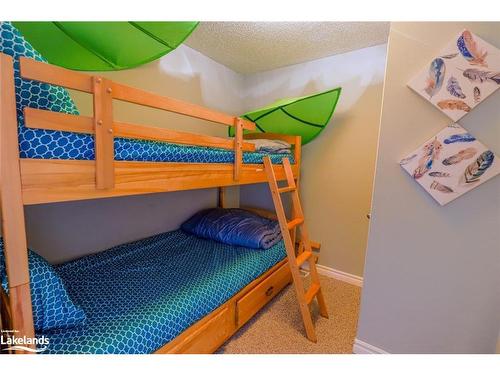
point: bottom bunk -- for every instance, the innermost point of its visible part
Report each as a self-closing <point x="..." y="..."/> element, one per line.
<point x="140" y="296"/>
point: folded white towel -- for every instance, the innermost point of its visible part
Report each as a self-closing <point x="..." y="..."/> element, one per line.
<point x="271" y="145"/>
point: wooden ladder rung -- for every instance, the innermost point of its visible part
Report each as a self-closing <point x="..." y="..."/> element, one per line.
<point x="286" y="189"/>
<point x="292" y="224"/>
<point x="311" y="292"/>
<point x="303" y="257"/>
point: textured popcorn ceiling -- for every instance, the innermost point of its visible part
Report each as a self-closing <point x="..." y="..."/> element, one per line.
<point x="249" y="47"/>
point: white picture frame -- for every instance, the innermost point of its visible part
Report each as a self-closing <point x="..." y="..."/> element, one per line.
<point x="461" y="76"/>
<point x="451" y="163"/>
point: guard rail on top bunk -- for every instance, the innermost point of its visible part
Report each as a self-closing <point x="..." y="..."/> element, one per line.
<point x="34" y="181"/>
<point x="50" y="180"/>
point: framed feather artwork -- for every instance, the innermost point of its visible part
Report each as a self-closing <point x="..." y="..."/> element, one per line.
<point x="451" y="163"/>
<point x="465" y="73"/>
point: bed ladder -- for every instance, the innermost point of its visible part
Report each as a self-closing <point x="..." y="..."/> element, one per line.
<point x="305" y="254"/>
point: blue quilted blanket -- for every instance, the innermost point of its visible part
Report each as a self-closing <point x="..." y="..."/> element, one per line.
<point x="139" y="296"/>
<point x="234" y="226"/>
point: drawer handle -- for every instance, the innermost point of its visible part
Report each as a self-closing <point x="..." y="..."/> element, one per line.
<point x="269" y="291"/>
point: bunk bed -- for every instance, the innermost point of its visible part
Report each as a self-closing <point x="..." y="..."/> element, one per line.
<point x="106" y="158"/>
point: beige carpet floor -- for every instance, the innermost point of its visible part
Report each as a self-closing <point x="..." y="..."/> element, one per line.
<point x="278" y="327"/>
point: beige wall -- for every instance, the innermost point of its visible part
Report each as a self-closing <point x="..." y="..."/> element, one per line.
<point x="338" y="166"/>
<point x="432" y="273"/>
<point x="64" y="231"/>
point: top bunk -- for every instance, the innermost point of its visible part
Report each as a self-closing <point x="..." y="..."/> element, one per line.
<point x="65" y="156"/>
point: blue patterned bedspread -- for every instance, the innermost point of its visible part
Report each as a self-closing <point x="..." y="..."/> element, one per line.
<point x="46" y="144"/>
<point x="141" y="295"/>
<point x="136" y="150"/>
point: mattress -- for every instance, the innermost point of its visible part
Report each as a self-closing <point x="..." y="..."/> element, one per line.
<point x="141" y="295"/>
<point x="48" y="144"/>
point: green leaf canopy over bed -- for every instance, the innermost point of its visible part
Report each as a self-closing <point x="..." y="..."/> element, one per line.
<point x="100" y="46"/>
<point x="306" y="116"/>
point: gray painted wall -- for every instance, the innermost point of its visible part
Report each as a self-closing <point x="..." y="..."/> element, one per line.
<point x="64" y="231"/>
<point x="432" y="273"/>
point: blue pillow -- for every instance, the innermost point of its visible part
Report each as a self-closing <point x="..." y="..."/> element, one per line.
<point x="52" y="307"/>
<point x="234" y="226"/>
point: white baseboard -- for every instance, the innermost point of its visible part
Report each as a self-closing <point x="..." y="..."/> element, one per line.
<point x="339" y="275"/>
<point x="361" y="347"/>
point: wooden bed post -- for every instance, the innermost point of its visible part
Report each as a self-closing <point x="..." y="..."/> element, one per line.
<point x="238" y="143"/>
<point x="221" y="201"/>
<point x="13" y="225"/>
<point x="297" y="153"/>
<point x="103" y="125"/>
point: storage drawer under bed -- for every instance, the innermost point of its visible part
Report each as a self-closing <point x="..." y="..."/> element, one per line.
<point x="208" y="335"/>
<point x="253" y="301"/>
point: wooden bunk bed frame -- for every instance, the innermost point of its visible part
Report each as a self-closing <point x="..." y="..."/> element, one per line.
<point x="36" y="181"/>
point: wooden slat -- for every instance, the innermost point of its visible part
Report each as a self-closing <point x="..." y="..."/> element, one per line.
<point x="138" y="96"/>
<point x="13" y="225"/>
<point x="275" y="136"/>
<point x="103" y="128"/>
<point x="286" y="189"/>
<point x="293" y="223"/>
<point x="311" y="292"/>
<point x="42" y="119"/>
<point x="315" y="245"/>
<point x="301" y="259"/>
<point x="133" y="131"/>
<point x="47" y="181"/>
<point x="49" y="120"/>
<point x="238" y="153"/>
<point x="39" y="71"/>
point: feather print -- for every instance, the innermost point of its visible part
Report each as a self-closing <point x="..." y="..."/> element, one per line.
<point x="464" y="154"/>
<point x="439" y="174"/>
<point x="436" y="77"/>
<point x="431" y="152"/>
<point x="454" y="88"/>
<point x="476" y="169"/>
<point x="464" y="137"/>
<point x="470" y="50"/>
<point x="481" y="76"/>
<point x="450" y="56"/>
<point x="407" y="160"/>
<point x="477" y="94"/>
<point x="440" y="187"/>
<point x="453" y="104"/>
